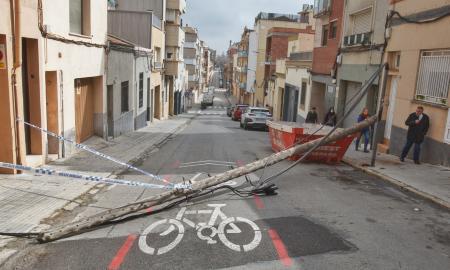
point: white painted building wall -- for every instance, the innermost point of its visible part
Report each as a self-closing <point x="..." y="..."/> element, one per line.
<point x="295" y="76"/>
<point x="252" y="61"/>
<point x="74" y="61"/>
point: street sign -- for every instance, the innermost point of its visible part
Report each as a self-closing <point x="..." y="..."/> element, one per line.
<point x="2" y="56"/>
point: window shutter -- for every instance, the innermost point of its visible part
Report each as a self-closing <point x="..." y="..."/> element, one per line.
<point x="362" y="22"/>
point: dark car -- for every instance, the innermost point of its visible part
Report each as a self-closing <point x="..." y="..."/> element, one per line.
<point x="230" y="110"/>
<point x="238" y="111"/>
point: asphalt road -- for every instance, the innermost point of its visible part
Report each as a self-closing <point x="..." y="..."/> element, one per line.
<point x="324" y="217"/>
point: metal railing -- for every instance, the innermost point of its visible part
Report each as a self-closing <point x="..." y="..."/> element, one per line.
<point x="301" y="56"/>
<point x="277" y="17"/>
<point x="357" y="39"/>
<point x="433" y="80"/>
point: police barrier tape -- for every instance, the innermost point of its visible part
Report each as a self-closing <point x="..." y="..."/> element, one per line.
<point x="97" y="153"/>
<point x="90" y="178"/>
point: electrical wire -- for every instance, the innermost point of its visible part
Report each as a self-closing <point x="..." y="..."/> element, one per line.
<point x="360" y="95"/>
<point x="408" y="20"/>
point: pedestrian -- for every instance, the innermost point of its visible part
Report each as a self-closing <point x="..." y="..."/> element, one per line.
<point x="330" y="118"/>
<point x="311" y="118"/>
<point x="418" y="124"/>
<point x="365" y="132"/>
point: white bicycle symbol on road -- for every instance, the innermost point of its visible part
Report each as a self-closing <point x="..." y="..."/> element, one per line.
<point x="221" y="231"/>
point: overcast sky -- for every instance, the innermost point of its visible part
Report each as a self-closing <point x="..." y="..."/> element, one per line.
<point x="220" y="21"/>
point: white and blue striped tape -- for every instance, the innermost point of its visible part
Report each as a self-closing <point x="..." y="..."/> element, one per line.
<point x="97" y="153"/>
<point x="90" y="178"/>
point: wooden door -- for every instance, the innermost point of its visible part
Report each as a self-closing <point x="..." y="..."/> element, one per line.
<point x="52" y="110"/>
<point x="84" y="109"/>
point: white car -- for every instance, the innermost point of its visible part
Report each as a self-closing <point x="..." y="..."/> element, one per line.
<point x="255" y="117"/>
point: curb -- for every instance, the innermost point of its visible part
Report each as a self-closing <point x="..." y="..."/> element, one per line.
<point x="400" y="184"/>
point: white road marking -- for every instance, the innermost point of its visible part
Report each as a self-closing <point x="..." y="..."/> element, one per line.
<point x="203" y="161"/>
<point x="221" y="231"/>
<point x="203" y="164"/>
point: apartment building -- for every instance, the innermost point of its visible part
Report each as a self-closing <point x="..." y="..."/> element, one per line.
<point x="361" y="53"/>
<point x="55" y="87"/>
<point x="278" y="39"/>
<point x="418" y="55"/>
<point x="264" y="22"/>
<point x="228" y="70"/>
<point x="174" y="61"/>
<point x="144" y="29"/>
<point x="327" y="41"/>
<point x="160" y="94"/>
<point x="192" y="58"/>
<point x="129" y="99"/>
<point x="244" y="95"/>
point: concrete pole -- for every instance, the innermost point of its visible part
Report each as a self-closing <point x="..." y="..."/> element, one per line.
<point x="166" y="197"/>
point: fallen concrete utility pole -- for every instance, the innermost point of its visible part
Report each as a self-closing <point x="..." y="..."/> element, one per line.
<point x="103" y="217"/>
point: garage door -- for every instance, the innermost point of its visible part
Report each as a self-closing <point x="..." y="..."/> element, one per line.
<point x="84" y="109"/>
<point x="352" y="89"/>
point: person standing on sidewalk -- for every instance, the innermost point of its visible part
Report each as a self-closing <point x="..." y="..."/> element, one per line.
<point x="365" y="132"/>
<point x="330" y="118"/>
<point x="312" y="117"/>
<point x="418" y="124"/>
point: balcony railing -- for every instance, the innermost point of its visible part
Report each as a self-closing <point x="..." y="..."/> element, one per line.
<point x="242" y="54"/>
<point x="357" y="39"/>
<point x="301" y="56"/>
<point x="243" y="69"/>
<point x="193" y="78"/>
<point x="277" y="17"/>
<point x="157" y="65"/>
<point x="177" y="4"/>
<point x="321" y="7"/>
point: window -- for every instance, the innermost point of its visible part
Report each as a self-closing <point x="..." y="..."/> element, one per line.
<point x="169" y="55"/>
<point x="333" y="29"/>
<point x="124" y="97"/>
<point x="433" y="79"/>
<point x="303" y="95"/>
<point x="362" y="22"/>
<point x="325" y="35"/>
<point x="141" y="90"/>
<point x="79" y="17"/>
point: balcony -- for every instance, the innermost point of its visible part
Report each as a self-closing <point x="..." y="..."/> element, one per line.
<point x="277" y="17"/>
<point x="179" y="5"/>
<point x="174" y="36"/>
<point x="190" y="45"/>
<point x="357" y="39"/>
<point x="242" y="54"/>
<point x="321" y="7"/>
<point x="242" y="69"/>
<point x="173" y="68"/>
<point x="190" y="61"/>
<point x="301" y="56"/>
<point x="280" y="66"/>
<point x="157" y="66"/>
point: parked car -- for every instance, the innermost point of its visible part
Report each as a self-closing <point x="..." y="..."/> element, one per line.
<point x="237" y="112"/>
<point x="208" y="100"/>
<point x="255" y="117"/>
<point x="230" y="110"/>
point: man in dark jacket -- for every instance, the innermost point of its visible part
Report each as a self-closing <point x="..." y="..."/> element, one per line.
<point x="418" y="124"/>
<point x="312" y="117"/>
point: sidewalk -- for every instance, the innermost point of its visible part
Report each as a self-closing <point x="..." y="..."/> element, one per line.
<point x="429" y="181"/>
<point x="26" y="200"/>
